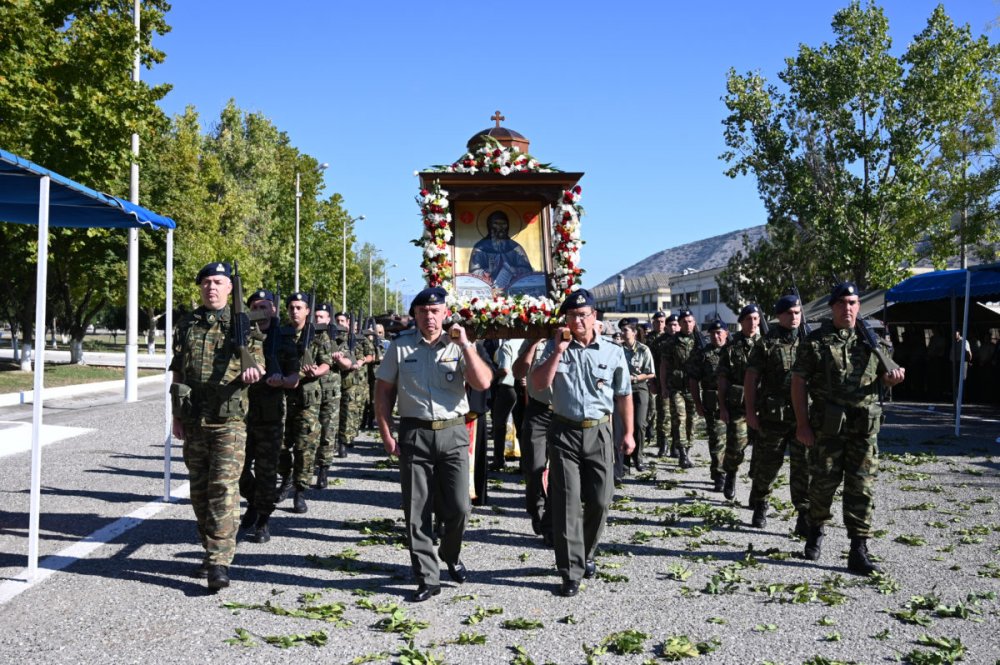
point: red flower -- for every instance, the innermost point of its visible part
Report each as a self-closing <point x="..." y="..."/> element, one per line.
<point x="578" y="189"/>
<point x="474" y="301"/>
<point x="497" y="152"/>
<point x="424" y="192"/>
<point x="465" y="312"/>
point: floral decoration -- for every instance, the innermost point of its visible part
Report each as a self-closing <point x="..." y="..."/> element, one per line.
<point x="435" y="263"/>
<point x="493" y="157"/>
<point x="566" y="252"/>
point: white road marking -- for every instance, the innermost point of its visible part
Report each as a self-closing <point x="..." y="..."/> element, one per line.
<point x="15" y="435"/>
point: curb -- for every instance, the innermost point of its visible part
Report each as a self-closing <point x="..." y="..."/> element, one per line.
<point x="28" y="396"/>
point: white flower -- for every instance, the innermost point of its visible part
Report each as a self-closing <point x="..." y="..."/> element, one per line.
<point x="504" y="170"/>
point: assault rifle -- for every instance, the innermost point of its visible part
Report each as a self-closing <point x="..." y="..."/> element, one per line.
<point x="699" y="339"/>
<point x="765" y="327"/>
<point x="804" y="328"/>
<point x="241" y="322"/>
<point x="309" y="331"/>
<point x="273" y="341"/>
<point x="864" y="330"/>
<point x="352" y="339"/>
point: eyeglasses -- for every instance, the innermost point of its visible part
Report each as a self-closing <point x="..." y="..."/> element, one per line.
<point x="574" y="315"/>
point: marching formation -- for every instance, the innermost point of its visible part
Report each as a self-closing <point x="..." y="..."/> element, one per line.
<point x="263" y="410"/>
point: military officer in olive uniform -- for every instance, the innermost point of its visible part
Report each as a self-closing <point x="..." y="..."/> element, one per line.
<point x="329" y="410"/>
<point x="534" y="432"/>
<point x="353" y="385"/>
<point x="375" y="336"/>
<point x="427" y="370"/>
<point x="838" y="368"/>
<point x="209" y="402"/>
<point x="658" y="410"/>
<point x="701" y="369"/>
<point x="731" y="371"/>
<point x="673" y="380"/>
<point x="641" y="373"/>
<point x="589" y="379"/>
<point x="265" y="419"/>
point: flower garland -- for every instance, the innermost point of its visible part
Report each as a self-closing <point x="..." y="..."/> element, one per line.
<point x="507" y="311"/>
<point x="566" y="252"/>
<point x="492" y="157"/>
<point x="435" y="264"/>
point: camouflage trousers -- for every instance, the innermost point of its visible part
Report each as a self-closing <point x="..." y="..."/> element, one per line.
<point x="769" y="455"/>
<point x="681" y="410"/>
<point x="352" y="404"/>
<point x="661" y="427"/>
<point x="737" y="438"/>
<point x="329" y="420"/>
<point x="302" y="432"/>
<point x="716" y="430"/>
<point x="258" y="482"/>
<point x="852" y="460"/>
<point x="213" y="454"/>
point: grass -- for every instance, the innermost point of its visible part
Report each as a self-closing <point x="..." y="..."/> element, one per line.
<point x="13" y="380"/>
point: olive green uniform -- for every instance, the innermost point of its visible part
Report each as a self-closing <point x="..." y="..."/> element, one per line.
<point x="733" y="362"/>
<point x="302" y="426"/>
<point x="354" y="392"/>
<point x="675" y="352"/>
<point x="701" y="366"/>
<point x="330" y="409"/>
<point x="658" y="401"/>
<point x="640" y="361"/>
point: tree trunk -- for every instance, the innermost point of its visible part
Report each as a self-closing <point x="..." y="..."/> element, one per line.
<point x="25" y="351"/>
<point x="76" y="351"/>
<point x="151" y="331"/>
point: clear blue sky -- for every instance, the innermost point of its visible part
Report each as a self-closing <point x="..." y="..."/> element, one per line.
<point x="628" y="92"/>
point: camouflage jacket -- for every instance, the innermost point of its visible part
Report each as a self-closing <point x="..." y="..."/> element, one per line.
<point x="654" y="342"/>
<point x="321" y="354"/>
<point x="207" y="361"/>
<point x="702" y="366"/>
<point x="733" y="363"/>
<point x="839" y="368"/>
<point x="772" y="359"/>
<point x="267" y="403"/>
<point x="332" y="380"/>
<point x="674" y="353"/>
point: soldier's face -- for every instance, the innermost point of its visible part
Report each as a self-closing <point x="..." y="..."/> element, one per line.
<point x="749" y="324"/>
<point x="629" y="336"/>
<point x="215" y="291"/>
<point x="659" y="325"/>
<point x="791" y="318"/>
<point x="719" y="337"/>
<point x="298" y="312"/>
<point x="687" y="324"/>
<point x="845" y="311"/>
<point x="674" y="327"/>
<point x="430" y="318"/>
<point x="342" y="321"/>
<point x="581" y="323"/>
<point x="322" y="317"/>
<point x="263" y="305"/>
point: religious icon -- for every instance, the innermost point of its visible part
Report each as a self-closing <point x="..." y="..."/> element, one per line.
<point x="497" y="256"/>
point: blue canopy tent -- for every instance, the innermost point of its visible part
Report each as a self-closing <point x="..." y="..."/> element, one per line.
<point x="31" y="194"/>
<point x="976" y="284"/>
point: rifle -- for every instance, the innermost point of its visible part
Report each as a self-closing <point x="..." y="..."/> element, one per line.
<point x="867" y="334"/>
<point x="273" y="341"/>
<point x="804" y="329"/>
<point x="241" y="322"/>
<point x="309" y="331"/>
<point x="352" y="341"/>
<point x="699" y="340"/>
<point x="765" y="327"/>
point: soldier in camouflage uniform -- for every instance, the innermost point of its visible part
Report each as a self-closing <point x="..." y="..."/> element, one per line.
<point x="375" y="336"/>
<point x="658" y="409"/>
<point x="768" y="391"/>
<point x="701" y="368"/>
<point x="329" y="410"/>
<point x="209" y="402"/>
<point x="641" y="372"/>
<point x="838" y="369"/>
<point x="731" y="372"/>
<point x="302" y="426"/>
<point x="265" y="419"/>
<point x="354" y="388"/>
<point x="674" y="353"/>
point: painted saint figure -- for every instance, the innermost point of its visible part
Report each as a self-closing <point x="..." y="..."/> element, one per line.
<point x="497" y="256"/>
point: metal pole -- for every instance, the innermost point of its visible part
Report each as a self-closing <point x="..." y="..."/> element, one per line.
<point x="369" y="281"/>
<point x="298" y="195"/>
<point x="168" y="344"/>
<point x="385" y="290"/>
<point x="343" y="267"/>
<point x="961" y="353"/>
<point x="132" y="317"/>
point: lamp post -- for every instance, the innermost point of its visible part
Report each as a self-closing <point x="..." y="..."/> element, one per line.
<point x="298" y="198"/>
<point x="399" y="294"/>
<point x="343" y="283"/>
<point x="385" y="289"/>
<point x="370" y="252"/>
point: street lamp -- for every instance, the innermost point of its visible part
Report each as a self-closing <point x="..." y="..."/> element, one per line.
<point x="370" y="252"/>
<point x="399" y="294"/>
<point x="385" y="289"/>
<point x="343" y="284"/>
<point x="298" y="198"/>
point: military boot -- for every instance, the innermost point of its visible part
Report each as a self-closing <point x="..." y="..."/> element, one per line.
<point x="814" y="543"/>
<point x="249" y="518"/>
<point x="684" y="460"/>
<point x="675" y="450"/>
<point x="299" y="502"/>
<point x="284" y="489"/>
<point x="322" y="482"/>
<point x="729" y="486"/>
<point x="341" y="449"/>
<point x="857" y="559"/>
<point x="759" y="519"/>
<point x="802" y="526"/>
<point x="261" y="533"/>
<point x="218" y="577"/>
<point x="718" y="481"/>
<point x="661" y="442"/>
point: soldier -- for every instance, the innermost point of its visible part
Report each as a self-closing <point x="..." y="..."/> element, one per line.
<point x="732" y="371"/>
<point x="330" y="385"/>
<point x="375" y="336"/>
<point x="767" y="388"/>
<point x="209" y="401"/>
<point x="658" y="411"/>
<point x="354" y="386"/>
<point x="673" y="381"/>
<point x="504" y="398"/>
<point x="839" y="369"/>
<point x="265" y="419"/>
<point x="425" y="369"/>
<point x="534" y="431"/>
<point x="641" y="372"/>
<point x="302" y="426"/>
<point x="701" y="367"/>
<point x="589" y="379"/>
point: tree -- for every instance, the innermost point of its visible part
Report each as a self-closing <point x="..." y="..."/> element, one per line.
<point x="844" y="155"/>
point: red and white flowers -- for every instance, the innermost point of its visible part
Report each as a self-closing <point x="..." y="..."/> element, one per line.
<point x="566" y="270"/>
<point x="436" y="263"/>
<point x="492" y="157"/>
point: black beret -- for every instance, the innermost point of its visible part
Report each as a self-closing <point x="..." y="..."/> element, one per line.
<point x="716" y="325"/>
<point x="576" y="300"/>
<point x="298" y="295"/>
<point x="785" y="303"/>
<point x="263" y="294"/>
<point x="645" y="325"/>
<point x="660" y="315"/>
<point x="434" y="295"/>
<point x="324" y="307"/>
<point x="681" y="313"/>
<point x="752" y="308"/>
<point x="217" y="268"/>
<point x="843" y="289"/>
<point x="672" y="318"/>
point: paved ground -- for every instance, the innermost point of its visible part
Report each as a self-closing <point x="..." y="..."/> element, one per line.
<point x="676" y="565"/>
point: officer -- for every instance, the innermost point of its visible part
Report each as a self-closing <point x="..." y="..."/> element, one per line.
<point x="838" y="368"/>
<point x="534" y="432"/>
<point x="641" y="372"/>
<point x="265" y="419"/>
<point x="767" y="388"/>
<point x="673" y="380"/>
<point x="731" y="371"/>
<point x="589" y="379"/>
<point x="701" y="368"/>
<point x="209" y="402"/>
<point x="503" y="398"/>
<point x="424" y="369"/>
<point x="330" y="385"/>
<point x="658" y="411"/>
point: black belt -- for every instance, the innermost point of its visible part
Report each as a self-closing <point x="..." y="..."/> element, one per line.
<point x="432" y="424"/>
<point x="581" y="424"/>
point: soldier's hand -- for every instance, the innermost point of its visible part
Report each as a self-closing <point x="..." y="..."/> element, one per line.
<point x="178" y="429"/>
<point x="805" y="436"/>
<point x="250" y="375"/>
<point x="753" y="422"/>
<point x="628" y="444"/>
<point x="561" y="341"/>
<point x="275" y="380"/>
<point x="391" y="446"/>
<point x="458" y="335"/>
<point x="894" y="377"/>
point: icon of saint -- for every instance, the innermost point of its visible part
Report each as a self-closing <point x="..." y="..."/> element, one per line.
<point x="497" y="256"/>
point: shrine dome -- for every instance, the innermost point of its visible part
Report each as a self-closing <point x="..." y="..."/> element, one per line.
<point x="504" y="135"/>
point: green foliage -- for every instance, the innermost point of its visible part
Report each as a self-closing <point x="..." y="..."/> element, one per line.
<point x="625" y="642"/>
<point x="521" y="623"/>
<point x="678" y="647"/>
<point x="331" y="613"/>
<point x="481" y="613"/>
<point x="521" y="656"/>
<point x="946" y="651"/>
<point x="398" y="622"/>
<point x="410" y="655"/>
<point x="317" y="638"/>
<point x="244" y="638"/>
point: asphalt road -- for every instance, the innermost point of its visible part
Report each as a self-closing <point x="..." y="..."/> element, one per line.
<point x="674" y="565"/>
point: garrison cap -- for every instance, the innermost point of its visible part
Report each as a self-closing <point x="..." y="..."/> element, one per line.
<point x="752" y="308"/>
<point x="576" y="300"/>
<point x="716" y="325"/>
<point x="785" y="303"/>
<point x="324" y="307"/>
<point x="217" y="268"/>
<point x="298" y="295"/>
<point x="681" y="313"/>
<point x="660" y="314"/>
<point x="841" y="290"/>
<point x="262" y="294"/>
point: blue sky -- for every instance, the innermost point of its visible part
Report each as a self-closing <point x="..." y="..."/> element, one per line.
<point x="628" y="92"/>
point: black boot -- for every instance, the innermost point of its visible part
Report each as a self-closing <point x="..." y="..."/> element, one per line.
<point x="661" y="442"/>
<point x="299" y="502"/>
<point x="814" y="543"/>
<point x="218" y="577"/>
<point x="719" y="481"/>
<point x="857" y="559"/>
<point x="675" y="450"/>
<point x="802" y="525"/>
<point x="322" y="481"/>
<point x="249" y="518"/>
<point x="759" y="519"/>
<point x="341" y="450"/>
<point x="683" y="460"/>
<point x="284" y="489"/>
<point x="729" y="486"/>
<point x="261" y="533"/>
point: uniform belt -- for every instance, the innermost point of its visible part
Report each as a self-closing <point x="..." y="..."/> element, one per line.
<point x="433" y="424"/>
<point x="581" y="424"/>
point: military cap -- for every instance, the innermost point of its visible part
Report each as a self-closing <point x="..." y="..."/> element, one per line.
<point x="434" y="295"/>
<point x="324" y="307"/>
<point x="576" y="300"/>
<point x="716" y="325"/>
<point x="660" y="315"/>
<point x="628" y="321"/>
<point x="752" y="308"/>
<point x="298" y="295"/>
<point x="681" y="313"/>
<point x="672" y="318"/>
<point x="841" y="290"/>
<point x="785" y="303"/>
<point x="645" y="325"/>
<point x="217" y="268"/>
<point x="262" y="294"/>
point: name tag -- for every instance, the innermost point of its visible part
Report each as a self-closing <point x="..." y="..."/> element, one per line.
<point x="410" y="360"/>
